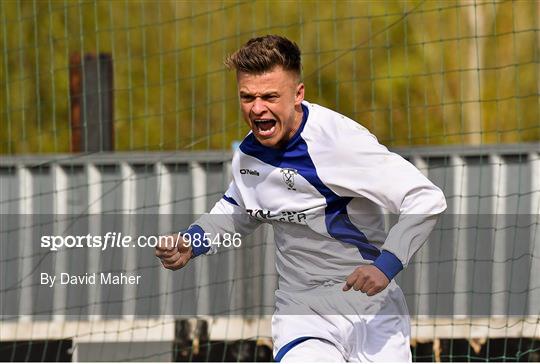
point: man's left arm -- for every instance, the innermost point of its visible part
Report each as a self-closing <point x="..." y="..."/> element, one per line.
<point x="395" y="184"/>
<point x="403" y="240"/>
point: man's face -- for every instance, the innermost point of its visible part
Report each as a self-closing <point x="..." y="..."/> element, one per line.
<point x="271" y="105"/>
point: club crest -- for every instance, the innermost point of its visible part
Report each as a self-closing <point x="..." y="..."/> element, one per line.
<point x="288" y="177"/>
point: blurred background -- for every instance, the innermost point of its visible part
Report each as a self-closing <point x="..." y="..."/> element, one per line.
<point x="413" y="72"/>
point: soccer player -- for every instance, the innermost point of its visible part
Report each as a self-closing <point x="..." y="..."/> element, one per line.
<point x="321" y="180"/>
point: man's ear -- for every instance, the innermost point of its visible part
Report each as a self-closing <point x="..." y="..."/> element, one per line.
<point x="299" y="96"/>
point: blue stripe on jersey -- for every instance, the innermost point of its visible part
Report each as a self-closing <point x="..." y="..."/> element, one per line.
<point x="230" y="200"/>
<point x="296" y="155"/>
<point x="287" y="347"/>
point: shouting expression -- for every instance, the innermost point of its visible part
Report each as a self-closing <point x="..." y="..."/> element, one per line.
<point x="271" y="104"/>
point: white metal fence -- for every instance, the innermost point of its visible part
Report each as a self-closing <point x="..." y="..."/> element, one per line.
<point x="464" y="269"/>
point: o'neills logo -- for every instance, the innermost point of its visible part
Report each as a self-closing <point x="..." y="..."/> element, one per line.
<point x="251" y="172"/>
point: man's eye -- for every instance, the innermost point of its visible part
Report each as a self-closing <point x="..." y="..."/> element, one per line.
<point x="246" y="98"/>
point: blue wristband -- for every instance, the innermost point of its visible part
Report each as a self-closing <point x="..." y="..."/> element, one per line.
<point x="389" y="264"/>
<point x="204" y="244"/>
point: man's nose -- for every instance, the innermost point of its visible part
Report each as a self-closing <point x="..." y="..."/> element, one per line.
<point x="258" y="106"/>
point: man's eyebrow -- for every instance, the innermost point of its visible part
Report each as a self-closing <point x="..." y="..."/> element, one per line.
<point x="269" y="93"/>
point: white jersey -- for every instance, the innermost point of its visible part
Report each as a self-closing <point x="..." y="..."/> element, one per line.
<point x="324" y="195"/>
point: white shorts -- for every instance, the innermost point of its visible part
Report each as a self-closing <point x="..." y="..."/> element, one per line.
<point x="308" y="325"/>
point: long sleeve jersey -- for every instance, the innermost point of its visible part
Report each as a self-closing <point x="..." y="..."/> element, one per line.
<point x="324" y="194"/>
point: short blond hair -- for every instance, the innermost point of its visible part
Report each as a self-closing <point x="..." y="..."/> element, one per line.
<point x="262" y="54"/>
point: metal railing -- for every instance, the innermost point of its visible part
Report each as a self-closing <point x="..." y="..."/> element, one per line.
<point x="447" y="275"/>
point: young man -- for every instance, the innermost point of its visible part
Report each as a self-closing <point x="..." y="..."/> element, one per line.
<point x="321" y="180"/>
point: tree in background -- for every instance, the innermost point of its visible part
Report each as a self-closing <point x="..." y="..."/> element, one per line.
<point x="414" y="73"/>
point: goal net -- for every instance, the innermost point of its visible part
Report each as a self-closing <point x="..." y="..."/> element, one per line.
<point x="119" y="121"/>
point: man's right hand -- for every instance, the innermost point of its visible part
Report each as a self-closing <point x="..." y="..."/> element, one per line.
<point x="173" y="256"/>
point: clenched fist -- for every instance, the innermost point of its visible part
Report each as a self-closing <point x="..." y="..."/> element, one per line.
<point x="367" y="279"/>
<point x="173" y="255"/>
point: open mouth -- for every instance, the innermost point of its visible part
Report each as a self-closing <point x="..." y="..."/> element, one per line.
<point x="265" y="127"/>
